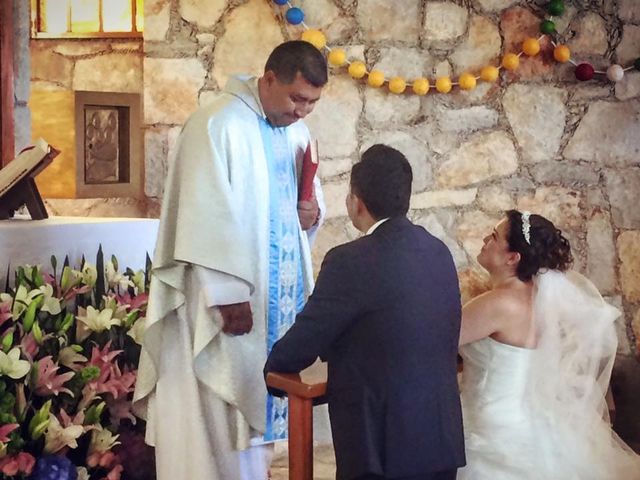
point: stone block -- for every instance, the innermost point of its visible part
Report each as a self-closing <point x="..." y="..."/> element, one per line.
<point x="251" y="33"/>
<point x="483" y="157"/>
<point x="114" y="72"/>
<point x="171" y="89"/>
<point x="537" y="115"/>
<point x="629" y="253"/>
<point x="380" y="20"/>
<point x="203" y="13"/>
<point x="607" y="134"/>
<point x="481" y="46"/>
<point x="157" y="17"/>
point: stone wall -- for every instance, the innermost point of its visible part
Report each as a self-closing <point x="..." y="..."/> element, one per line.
<point x="58" y="69"/>
<point x="21" y="113"/>
<point x="536" y="140"/>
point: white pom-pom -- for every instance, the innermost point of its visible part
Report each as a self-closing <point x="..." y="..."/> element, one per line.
<point x="615" y="73"/>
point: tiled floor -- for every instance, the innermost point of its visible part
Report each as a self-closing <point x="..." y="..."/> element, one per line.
<point x="324" y="464"/>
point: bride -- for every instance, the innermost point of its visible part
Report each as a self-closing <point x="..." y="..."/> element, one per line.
<point x="538" y="350"/>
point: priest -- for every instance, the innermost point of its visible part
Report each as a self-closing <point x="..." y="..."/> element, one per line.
<point x="231" y="269"/>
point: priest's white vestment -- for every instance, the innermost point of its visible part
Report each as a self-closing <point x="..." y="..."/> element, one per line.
<point x="202" y="391"/>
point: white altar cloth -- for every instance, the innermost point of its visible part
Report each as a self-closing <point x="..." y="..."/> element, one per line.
<point x="26" y="241"/>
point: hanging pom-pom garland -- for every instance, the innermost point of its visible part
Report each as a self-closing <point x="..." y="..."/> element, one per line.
<point x="357" y="69"/>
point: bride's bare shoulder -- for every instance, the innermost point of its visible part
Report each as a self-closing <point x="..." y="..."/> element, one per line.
<point x="498" y="302"/>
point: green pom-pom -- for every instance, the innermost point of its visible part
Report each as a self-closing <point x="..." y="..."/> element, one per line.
<point x="548" y="27"/>
<point x="555" y="8"/>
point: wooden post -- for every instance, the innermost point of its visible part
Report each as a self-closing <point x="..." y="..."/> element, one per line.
<point x="300" y="438"/>
<point x="7" y="125"/>
<point x="302" y="389"/>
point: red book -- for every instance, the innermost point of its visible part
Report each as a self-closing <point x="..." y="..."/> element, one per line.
<point x="309" y="169"/>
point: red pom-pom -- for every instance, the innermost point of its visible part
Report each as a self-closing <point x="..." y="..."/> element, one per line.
<point x="584" y="72"/>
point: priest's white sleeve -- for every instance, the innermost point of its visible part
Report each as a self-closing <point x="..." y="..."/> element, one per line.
<point x="220" y="288"/>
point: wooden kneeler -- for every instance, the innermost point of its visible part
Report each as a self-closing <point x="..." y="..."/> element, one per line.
<point x="304" y="391"/>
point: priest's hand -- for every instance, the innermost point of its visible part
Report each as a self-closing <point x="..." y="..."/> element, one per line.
<point x="308" y="213"/>
<point x="237" y="318"/>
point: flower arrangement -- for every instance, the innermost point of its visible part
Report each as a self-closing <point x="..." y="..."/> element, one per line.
<point x="69" y="348"/>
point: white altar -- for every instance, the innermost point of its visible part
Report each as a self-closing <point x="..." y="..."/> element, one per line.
<point x="26" y="241"/>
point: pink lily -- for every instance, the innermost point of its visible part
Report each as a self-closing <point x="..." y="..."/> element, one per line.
<point x="115" y="473"/>
<point x="5" y="430"/>
<point x="29" y="346"/>
<point x="48" y="382"/>
<point x="5" y="312"/>
<point x="135" y="302"/>
<point x="75" y="291"/>
<point x="120" y="409"/>
<point x="9" y="466"/>
<point x="26" y="462"/>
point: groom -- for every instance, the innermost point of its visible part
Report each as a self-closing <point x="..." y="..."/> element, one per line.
<point x="385" y="315"/>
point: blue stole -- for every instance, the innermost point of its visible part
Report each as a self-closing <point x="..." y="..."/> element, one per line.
<point x="286" y="285"/>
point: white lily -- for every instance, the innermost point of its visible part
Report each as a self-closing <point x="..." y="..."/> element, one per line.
<point x="83" y="473"/>
<point x="95" y="320"/>
<point x="51" y="304"/>
<point x="137" y="330"/>
<point x="138" y="281"/>
<point x="12" y="366"/>
<point x="102" y="440"/>
<point x="57" y="437"/>
<point x="116" y="279"/>
<point x="22" y="300"/>
<point x="71" y="359"/>
<point x="89" y="274"/>
<point x="28" y="271"/>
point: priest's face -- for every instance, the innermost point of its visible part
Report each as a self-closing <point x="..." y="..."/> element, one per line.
<point x="286" y="103"/>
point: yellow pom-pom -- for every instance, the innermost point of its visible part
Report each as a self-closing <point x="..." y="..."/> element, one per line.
<point x="562" y="53"/>
<point x="489" y="74"/>
<point x="510" y="61"/>
<point x="376" y="78"/>
<point x="531" y="46"/>
<point x="443" y="84"/>
<point x="420" y="86"/>
<point x="467" y="81"/>
<point x="337" y="57"/>
<point x="357" y="69"/>
<point x="397" y="85"/>
<point x="315" y="38"/>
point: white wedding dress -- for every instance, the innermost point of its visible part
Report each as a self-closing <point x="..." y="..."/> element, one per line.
<point x="540" y="414"/>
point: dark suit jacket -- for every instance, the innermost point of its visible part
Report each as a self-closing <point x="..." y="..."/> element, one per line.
<point x="385" y="315"/>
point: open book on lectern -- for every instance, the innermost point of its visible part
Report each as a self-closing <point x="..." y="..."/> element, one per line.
<point x="17" y="181"/>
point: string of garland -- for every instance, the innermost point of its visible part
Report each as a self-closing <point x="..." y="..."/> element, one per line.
<point x="357" y="69"/>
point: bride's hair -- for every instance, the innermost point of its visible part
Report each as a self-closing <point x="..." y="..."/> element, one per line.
<point x="547" y="247"/>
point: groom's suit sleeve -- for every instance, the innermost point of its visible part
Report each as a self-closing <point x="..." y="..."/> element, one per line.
<point x="332" y="308"/>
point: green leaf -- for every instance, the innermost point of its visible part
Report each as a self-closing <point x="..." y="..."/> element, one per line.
<point x="40" y="421"/>
<point x="67" y="323"/>
<point x="37" y="333"/>
<point x="100" y="280"/>
<point x="92" y="416"/>
<point x="7" y="341"/>
<point x="30" y="315"/>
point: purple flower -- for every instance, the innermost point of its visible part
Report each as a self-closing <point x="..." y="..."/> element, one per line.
<point x="54" y="467"/>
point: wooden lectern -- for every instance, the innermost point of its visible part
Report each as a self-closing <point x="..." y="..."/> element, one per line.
<point x="304" y="390"/>
<point x="17" y="181"/>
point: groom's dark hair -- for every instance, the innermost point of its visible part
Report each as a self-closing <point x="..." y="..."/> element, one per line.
<point x="382" y="180"/>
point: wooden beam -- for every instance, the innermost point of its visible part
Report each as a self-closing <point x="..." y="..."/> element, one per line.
<point x="7" y="120"/>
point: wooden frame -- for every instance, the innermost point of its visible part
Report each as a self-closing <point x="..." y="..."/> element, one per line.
<point x="37" y="33"/>
<point x="124" y="111"/>
<point x="7" y="120"/>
